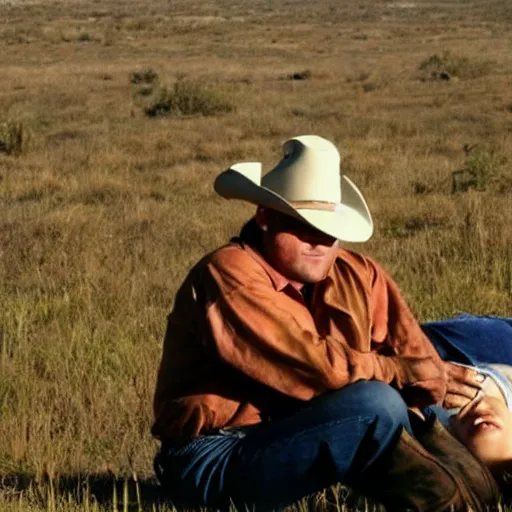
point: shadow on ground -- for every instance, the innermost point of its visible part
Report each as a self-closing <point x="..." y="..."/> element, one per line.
<point x="131" y="494"/>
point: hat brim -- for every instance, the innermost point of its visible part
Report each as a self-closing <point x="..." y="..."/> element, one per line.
<point x="350" y="221"/>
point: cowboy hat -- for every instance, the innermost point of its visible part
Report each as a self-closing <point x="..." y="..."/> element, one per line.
<point x="306" y="184"/>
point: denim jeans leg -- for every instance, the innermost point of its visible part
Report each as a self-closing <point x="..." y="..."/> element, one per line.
<point x="193" y="475"/>
<point x="472" y="339"/>
<point x="335" y="438"/>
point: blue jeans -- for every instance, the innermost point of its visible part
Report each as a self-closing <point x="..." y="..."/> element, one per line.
<point x="472" y="339"/>
<point x="333" y="438"/>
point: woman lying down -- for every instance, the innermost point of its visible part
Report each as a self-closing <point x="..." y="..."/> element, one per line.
<point x="484" y="423"/>
<point x="461" y="458"/>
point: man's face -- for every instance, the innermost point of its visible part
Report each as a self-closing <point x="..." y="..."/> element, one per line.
<point x="298" y="251"/>
<point x="484" y="426"/>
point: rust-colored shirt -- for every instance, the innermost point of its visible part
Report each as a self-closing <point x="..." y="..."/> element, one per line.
<point x="241" y="342"/>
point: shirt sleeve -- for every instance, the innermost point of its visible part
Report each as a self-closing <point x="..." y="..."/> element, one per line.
<point x="394" y="325"/>
<point x="255" y="330"/>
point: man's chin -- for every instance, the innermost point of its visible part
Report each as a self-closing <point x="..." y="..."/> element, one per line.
<point x="313" y="278"/>
<point x="307" y="275"/>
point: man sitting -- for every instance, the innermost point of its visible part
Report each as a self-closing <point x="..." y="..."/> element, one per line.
<point x="289" y="363"/>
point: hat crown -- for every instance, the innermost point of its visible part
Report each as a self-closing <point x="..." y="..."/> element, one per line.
<point x="307" y="176"/>
<point x="309" y="171"/>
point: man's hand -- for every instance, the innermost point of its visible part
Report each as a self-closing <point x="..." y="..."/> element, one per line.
<point x="421" y="380"/>
<point x="463" y="384"/>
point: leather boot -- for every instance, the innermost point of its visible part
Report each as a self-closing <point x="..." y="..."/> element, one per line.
<point x="411" y="479"/>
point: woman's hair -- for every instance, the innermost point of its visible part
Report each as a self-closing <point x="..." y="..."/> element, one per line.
<point x="503" y="472"/>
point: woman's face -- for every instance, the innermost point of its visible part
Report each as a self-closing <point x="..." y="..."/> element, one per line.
<point x="484" y="426"/>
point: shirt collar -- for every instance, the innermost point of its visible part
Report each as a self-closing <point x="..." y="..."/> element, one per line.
<point x="250" y="239"/>
<point x="279" y="281"/>
<point x="250" y="243"/>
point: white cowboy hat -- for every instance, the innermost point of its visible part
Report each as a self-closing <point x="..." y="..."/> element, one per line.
<point x="306" y="184"/>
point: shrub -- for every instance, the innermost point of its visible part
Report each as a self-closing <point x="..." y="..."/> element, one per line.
<point x="188" y="97"/>
<point x="480" y="170"/>
<point x="146" y="76"/>
<point x="449" y="65"/>
<point x="145" y="90"/>
<point x="84" y="37"/>
<point x="300" y="75"/>
<point x="13" y="137"/>
<point x="374" y="83"/>
<point x="484" y="165"/>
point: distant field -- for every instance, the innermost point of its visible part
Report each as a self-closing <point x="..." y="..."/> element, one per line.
<point x="115" y="117"/>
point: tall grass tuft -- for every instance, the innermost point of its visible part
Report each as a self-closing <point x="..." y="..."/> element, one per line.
<point x="447" y="64"/>
<point x="13" y="137"/>
<point x="188" y="97"/>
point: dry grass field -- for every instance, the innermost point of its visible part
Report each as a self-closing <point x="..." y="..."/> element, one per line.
<point x="115" y="117"/>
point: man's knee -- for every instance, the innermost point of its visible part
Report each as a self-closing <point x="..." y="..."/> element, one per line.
<point x="382" y="399"/>
<point x="373" y="398"/>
